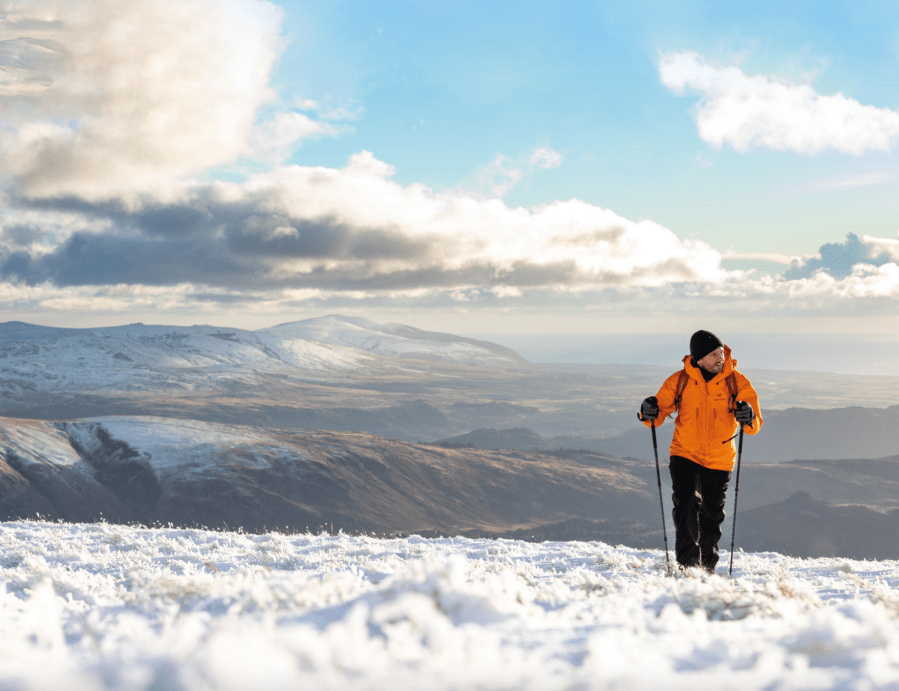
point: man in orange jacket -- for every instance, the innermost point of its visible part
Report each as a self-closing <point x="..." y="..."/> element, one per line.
<point x="713" y="400"/>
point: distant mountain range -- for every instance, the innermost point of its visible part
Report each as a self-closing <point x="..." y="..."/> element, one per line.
<point x="310" y="424"/>
<point x="339" y="373"/>
<point x="172" y="358"/>
<point x="801" y="526"/>
<point x="792" y="434"/>
<point x="352" y="374"/>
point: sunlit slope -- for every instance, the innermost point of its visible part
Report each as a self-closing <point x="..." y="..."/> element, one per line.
<point x="209" y="474"/>
<point x="191" y="473"/>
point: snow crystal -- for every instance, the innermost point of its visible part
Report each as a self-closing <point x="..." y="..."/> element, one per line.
<point x="114" y="607"/>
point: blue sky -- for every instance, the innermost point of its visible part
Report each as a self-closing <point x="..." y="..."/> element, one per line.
<point x="446" y="87"/>
<point x="582" y="167"/>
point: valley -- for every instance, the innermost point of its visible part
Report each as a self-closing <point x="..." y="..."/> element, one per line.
<point x="344" y="424"/>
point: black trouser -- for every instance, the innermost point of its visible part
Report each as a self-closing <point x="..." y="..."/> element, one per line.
<point x="698" y="494"/>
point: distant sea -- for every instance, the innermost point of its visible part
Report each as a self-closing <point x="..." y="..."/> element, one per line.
<point x="874" y="354"/>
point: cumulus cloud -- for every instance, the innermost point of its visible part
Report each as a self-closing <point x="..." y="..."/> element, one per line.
<point x="110" y="109"/>
<point x="294" y="228"/>
<point x="882" y="248"/>
<point x="105" y="98"/>
<point x="746" y="111"/>
<point x="840" y="259"/>
<point x="864" y="281"/>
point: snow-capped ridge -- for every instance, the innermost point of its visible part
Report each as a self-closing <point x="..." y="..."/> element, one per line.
<point x="139" y="357"/>
<point x="397" y="340"/>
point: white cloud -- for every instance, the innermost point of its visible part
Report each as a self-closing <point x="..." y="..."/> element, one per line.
<point x="115" y="97"/>
<point x="324" y="236"/>
<point x="865" y="281"/>
<point x="355" y="229"/>
<point x="882" y="247"/>
<point x="569" y="242"/>
<point x="752" y="111"/>
<point x="559" y="259"/>
<point x="124" y="98"/>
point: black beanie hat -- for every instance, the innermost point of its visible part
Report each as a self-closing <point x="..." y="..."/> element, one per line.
<point x="702" y="343"/>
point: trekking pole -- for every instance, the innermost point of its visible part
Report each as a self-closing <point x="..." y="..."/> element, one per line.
<point x="733" y="530"/>
<point x="655" y="450"/>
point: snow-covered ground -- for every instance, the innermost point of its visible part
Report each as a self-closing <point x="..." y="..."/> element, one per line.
<point x="100" y="606"/>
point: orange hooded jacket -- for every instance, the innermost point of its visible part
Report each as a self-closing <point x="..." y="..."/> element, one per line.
<point x="705" y="420"/>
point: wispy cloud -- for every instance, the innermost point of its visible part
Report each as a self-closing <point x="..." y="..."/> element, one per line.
<point x="702" y="159"/>
<point x="498" y="177"/>
<point x="276" y="139"/>
<point x="503" y="173"/>
<point x="848" y="183"/>
<point x="746" y="111"/>
<point x="330" y="111"/>
<point x="545" y="158"/>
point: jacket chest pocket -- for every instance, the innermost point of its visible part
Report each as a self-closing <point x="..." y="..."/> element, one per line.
<point x="688" y="412"/>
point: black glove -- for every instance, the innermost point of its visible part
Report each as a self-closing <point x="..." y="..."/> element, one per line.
<point x="744" y="413"/>
<point x="649" y="409"/>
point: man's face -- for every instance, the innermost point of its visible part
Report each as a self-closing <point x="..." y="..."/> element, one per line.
<point x="713" y="362"/>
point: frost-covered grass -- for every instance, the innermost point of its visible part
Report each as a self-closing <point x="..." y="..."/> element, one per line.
<point x="101" y="606"/>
